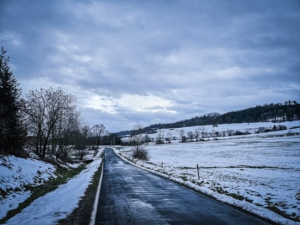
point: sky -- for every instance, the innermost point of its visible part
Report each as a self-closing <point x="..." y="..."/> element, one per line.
<point x="146" y="62"/>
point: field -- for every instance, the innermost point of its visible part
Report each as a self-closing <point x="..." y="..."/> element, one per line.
<point x="252" y="171"/>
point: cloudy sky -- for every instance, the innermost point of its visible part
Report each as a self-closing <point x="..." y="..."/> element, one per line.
<point x="144" y="62"/>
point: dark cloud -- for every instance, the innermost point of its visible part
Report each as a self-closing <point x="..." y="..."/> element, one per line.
<point x="155" y="61"/>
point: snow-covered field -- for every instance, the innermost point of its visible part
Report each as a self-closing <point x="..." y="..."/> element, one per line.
<point x="258" y="172"/>
<point x="48" y="209"/>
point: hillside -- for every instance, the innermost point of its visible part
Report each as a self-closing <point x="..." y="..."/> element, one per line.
<point x="288" y="111"/>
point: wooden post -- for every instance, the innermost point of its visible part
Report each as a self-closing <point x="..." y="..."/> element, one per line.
<point x="162" y="165"/>
<point x="198" y="171"/>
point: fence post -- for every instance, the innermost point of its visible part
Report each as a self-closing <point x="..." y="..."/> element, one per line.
<point x="198" y="171"/>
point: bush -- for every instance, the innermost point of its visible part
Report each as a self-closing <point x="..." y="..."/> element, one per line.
<point x="159" y="141"/>
<point x="238" y="133"/>
<point x="282" y="127"/>
<point x="241" y="133"/>
<point x="267" y="130"/>
<point x="290" y="133"/>
<point x="140" y="153"/>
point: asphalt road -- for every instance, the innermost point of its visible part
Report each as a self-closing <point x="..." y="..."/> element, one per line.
<point x="130" y="195"/>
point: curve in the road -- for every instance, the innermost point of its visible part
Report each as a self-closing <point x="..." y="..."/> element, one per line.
<point x="130" y="195"/>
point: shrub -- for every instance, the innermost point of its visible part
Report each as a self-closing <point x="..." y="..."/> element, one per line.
<point x="140" y="153"/>
<point x="290" y="133"/>
<point x="267" y="130"/>
<point x="238" y="132"/>
<point x="159" y="141"/>
<point x="282" y="127"/>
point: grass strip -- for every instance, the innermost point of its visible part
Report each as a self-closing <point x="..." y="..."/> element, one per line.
<point x="82" y="214"/>
<point x="63" y="175"/>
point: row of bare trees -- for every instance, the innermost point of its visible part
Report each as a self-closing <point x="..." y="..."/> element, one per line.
<point x="51" y="117"/>
<point x="55" y="126"/>
<point x="199" y="134"/>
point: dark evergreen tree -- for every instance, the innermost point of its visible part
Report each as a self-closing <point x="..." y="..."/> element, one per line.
<point x="11" y="129"/>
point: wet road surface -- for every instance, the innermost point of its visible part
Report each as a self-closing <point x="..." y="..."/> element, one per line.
<point x="130" y="195"/>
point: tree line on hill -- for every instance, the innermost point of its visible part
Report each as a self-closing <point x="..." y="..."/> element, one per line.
<point x="288" y="111"/>
<point x="46" y="120"/>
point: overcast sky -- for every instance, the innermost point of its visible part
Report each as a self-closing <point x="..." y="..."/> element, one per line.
<point x="159" y="61"/>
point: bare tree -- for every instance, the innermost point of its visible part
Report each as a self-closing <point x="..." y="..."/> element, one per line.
<point x="182" y="135"/>
<point x="69" y="134"/>
<point x="99" y="131"/>
<point x="48" y="112"/>
<point x="147" y="138"/>
<point x="197" y="134"/>
<point x="223" y="133"/>
<point x="203" y="132"/>
<point x="137" y="136"/>
<point x="85" y="131"/>
<point x="169" y="137"/>
<point x="190" y="135"/>
<point x="81" y="136"/>
<point x="213" y="134"/>
<point x="159" y="138"/>
<point x="230" y="132"/>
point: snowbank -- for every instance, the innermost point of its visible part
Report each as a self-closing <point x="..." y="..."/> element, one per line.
<point x="15" y="173"/>
<point x="58" y="204"/>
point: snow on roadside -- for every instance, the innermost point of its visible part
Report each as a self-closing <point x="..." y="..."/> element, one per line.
<point x="15" y="173"/>
<point x="56" y="205"/>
